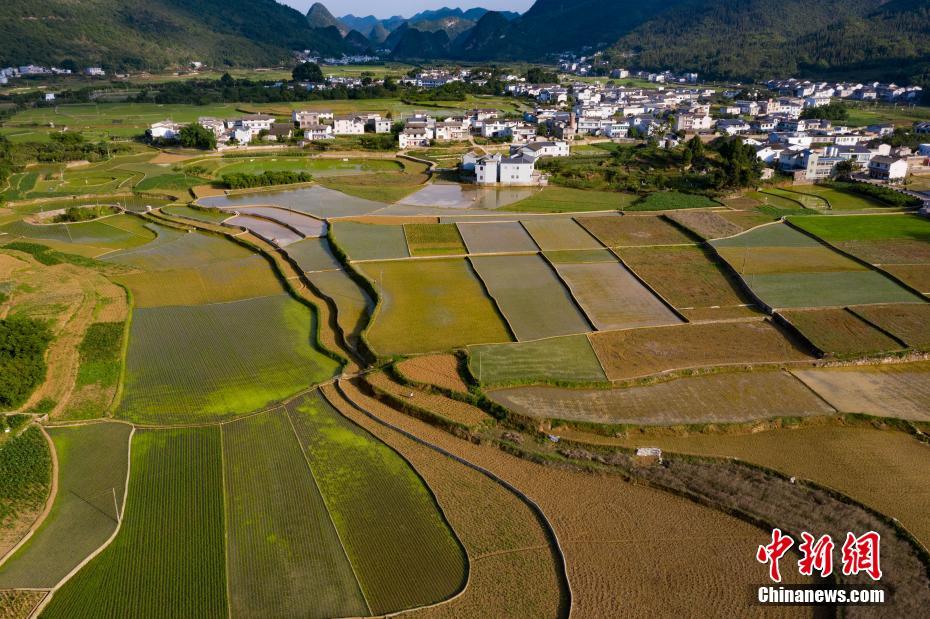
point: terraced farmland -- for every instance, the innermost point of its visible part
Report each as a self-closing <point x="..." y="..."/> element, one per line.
<point x="841" y="333"/>
<point x="612" y="297"/>
<point x="496" y="237"/>
<point x="788" y="269"/>
<point x="557" y="359"/>
<point x="168" y="556"/>
<point x="634" y="230"/>
<point x="530" y="295"/>
<point x="304" y="225"/>
<point x="403" y="553"/>
<point x="268" y="230"/>
<point x="107" y="234"/>
<point x="433" y="239"/>
<point x="370" y="241"/>
<point x="900" y="390"/>
<point x="559" y="233"/>
<point x="285" y="555"/>
<point x="907" y="322"/>
<point x="313" y="255"/>
<point x="898" y="244"/>
<point x="641" y="352"/>
<point x="353" y="305"/>
<point x="93" y="462"/>
<point x="714" y="398"/>
<point x="317" y="201"/>
<point x="189" y="363"/>
<point x="692" y="279"/>
<point x="429" y="306"/>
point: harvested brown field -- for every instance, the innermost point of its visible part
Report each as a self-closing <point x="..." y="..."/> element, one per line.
<point x="634" y="230"/>
<point x="917" y="276"/>
<point x="705" y="224"/>
<point x="448" y="409"/>
<point x="741" y="203"/>
<point x="19" y="603"/>
<point x="439" y="370"/>
<point x="691" y="279"/>
<point x="728" y="397"/>
<point x="839" y="332"/>
<point x="512" y="568"/>
<point x="895" y="390"/>
<point x="619" y="539"/>
<point x="746" y="219"/>
<point x="847" y="459"/>
<point x="640" y="352"/>
<point x="909" y="322"/>
<point x="888" y="251"/>
<point x="612" y="298"/>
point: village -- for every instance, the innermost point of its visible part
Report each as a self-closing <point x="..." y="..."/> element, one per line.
<point x="778" y="119"/>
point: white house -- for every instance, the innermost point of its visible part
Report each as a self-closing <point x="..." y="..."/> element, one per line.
<point x="318" y="132"/>
<point x="414" y="137"/>
<point x="375" y="123"/>
<point x="215" y="125"/>
<point x="166" y="130"/>
<point x="541" y="149"/>
<point x="510" y="171"/>
<point x="692" y="123"/>
<point x="886" y="168"/>
<point x="348" y="125"/>
<point x="255" y="123"/>
<point x="242" y="135"/>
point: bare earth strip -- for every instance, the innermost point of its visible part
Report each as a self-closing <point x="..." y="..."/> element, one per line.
<point x="894" y="390"/>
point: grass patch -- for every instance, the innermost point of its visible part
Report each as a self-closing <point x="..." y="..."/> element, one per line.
<point x="567" y="200"/>
<point x="558" y="359"/>
<point x="433" y="239"/>
<point x="671" y="201"/>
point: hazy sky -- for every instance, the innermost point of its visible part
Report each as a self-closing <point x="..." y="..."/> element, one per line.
<point x="405" y="8"/>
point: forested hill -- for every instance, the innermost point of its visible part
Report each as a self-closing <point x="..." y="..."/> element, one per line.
<point x="153" y="34"/>
<point x="768" y="38"/>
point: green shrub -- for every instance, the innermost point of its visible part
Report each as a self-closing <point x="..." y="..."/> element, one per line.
<point x="23" y="342"/>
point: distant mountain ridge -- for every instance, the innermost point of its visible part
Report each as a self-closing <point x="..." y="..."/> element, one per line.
<point x="155" y="34"/>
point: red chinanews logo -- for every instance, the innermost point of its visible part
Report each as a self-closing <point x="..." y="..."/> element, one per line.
<point x="858" y="554"/>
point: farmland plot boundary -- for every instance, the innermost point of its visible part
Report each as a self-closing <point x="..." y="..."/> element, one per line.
<point x="49" y="501"/>
<point x="541" y="516"/>
<point x="646" y="285"/>
<point x="269" y="255"/>
<point x="868" y="265"/>
<point x="119" y="525"/>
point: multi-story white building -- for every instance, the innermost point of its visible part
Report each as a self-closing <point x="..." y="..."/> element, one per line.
<point x="348" y="125"/>
<point x="255" y="123"/>
<point x="497" y="170"/>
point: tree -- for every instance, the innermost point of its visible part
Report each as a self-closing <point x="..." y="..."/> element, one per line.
<point x="197" y="136"/>
<point x="537" y="75"/>
<point x="844" y="169"/>
<point x="739" y="165"/>
<point x="308" y="72"/>
<point x="696" y="148"/>
<point x="831" y="111"/>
